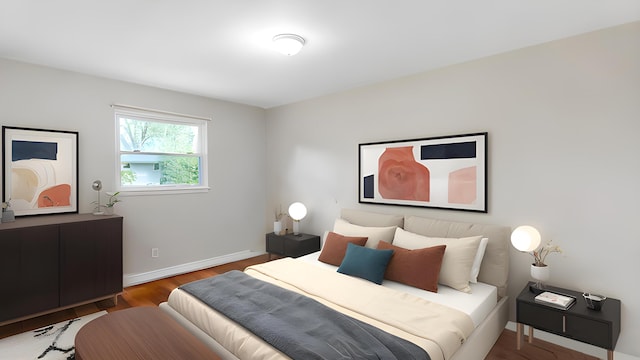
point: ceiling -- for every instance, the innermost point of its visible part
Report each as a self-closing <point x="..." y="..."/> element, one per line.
<point x="221" y="48"/>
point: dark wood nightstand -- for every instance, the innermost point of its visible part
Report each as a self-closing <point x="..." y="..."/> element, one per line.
<point x="292" y="245"/>
<point x="599" y="328"/>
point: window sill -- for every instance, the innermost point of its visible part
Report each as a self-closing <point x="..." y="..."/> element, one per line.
<point x="165" y="191"/>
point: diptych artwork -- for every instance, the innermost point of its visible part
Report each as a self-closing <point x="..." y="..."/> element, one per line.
<point x="441" y="172"/>
<point x="40" y="170"/>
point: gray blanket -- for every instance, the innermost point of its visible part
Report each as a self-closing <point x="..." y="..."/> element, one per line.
<point x="298" y="326"/>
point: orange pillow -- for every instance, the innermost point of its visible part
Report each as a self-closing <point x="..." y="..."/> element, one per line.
<point x="418" y="268"/>
<point x="335" y="246"/>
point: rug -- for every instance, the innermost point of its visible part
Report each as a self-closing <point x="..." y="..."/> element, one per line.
<point x="52" y="342"/>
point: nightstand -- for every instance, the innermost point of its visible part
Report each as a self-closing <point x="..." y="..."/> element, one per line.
<point x="292" y="245"/>
<point x="598" y="328"/>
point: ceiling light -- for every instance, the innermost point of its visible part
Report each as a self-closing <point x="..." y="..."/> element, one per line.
<point x="288" y="44"/>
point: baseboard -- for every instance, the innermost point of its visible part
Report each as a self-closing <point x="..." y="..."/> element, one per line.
<point x="135" y="279"/>
<point x="572" y="344"/>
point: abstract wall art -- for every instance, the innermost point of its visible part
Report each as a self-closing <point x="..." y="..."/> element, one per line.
<point x="447" y="172"/>
<point x="40" y="170"/>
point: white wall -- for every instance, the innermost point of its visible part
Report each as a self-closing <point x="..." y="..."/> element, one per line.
<point x="563" y="120"/>
<point x="186" y="228"/>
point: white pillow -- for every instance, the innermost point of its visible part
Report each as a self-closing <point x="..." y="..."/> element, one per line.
<point x="458" y="256"/>
<point x="477" y="261"/>
<point x="374" y="234"/>
<point x="324" y="238"/>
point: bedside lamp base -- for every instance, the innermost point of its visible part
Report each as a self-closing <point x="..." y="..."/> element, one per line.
<point x="537" y="288"/>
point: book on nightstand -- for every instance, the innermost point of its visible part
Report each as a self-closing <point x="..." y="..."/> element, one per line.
<point x="555" y="300"/>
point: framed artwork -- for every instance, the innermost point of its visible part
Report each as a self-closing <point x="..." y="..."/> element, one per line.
<point x="446" y="172"/>
<point x="40" y="170"/>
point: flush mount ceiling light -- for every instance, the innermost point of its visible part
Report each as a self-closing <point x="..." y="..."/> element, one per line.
<point x="288" y="44"/>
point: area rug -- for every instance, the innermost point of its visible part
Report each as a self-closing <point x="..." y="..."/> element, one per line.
<point x="52" y="342"/>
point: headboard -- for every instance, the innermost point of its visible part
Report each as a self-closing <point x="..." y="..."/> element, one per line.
<point x="365" y="218"/>
<point x="495" y="265"/>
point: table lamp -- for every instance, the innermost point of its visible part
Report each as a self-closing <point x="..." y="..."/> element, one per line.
<point x="526" y="238"/>
<point x="297" y="211"/>
<point x="97" y="186"/>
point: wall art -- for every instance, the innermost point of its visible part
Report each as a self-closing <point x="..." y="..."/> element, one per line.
<point x="446" y="172"/>
<point x="40" y="170"/>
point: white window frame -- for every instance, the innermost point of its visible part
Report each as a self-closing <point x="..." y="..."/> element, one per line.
<point x="162" y="116"/>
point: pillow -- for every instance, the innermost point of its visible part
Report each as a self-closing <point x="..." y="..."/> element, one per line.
<point x="375" y="234"/>
<point x="335" y="246"/>
<point x="365" y="263"/>
<point x="477" y="261"/>
<point x="418" y="268"/>
<point x="458" y="257"/>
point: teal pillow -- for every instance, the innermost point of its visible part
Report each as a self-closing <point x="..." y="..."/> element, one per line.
<point x="365" y="263"/>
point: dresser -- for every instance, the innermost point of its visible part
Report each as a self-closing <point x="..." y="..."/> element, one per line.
<point x="48" y="263"/>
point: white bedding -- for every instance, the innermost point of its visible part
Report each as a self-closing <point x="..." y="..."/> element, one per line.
<point x="227" y="334"/>
<point x="484" y="312"/>
<point x="477" y="304"/>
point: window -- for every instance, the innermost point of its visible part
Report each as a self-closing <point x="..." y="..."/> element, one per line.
<point x="160" y="151"/>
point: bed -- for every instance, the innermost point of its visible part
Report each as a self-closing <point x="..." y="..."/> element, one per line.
<point x="469" y="307"/>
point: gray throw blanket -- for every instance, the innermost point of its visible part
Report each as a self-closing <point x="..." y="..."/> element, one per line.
<point x="298" y="326"/>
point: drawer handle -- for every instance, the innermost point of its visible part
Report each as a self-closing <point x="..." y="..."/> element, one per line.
<point x="564" y="324"/>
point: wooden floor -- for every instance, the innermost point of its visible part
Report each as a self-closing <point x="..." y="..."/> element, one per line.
<point x="155" y="292"/>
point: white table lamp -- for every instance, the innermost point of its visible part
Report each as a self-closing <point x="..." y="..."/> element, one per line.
<point x="527" y="239"/>
<point x="297" y="211"/>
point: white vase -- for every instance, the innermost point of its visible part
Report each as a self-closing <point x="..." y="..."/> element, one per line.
<point x="277" y="227"/>
<point x="8" y="215"/>
<point x="540" y="274"/>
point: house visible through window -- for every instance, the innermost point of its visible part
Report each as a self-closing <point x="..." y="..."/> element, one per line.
<point x="160" y="151"/>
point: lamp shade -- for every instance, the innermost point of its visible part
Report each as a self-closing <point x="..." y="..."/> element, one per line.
<point x="525" y="238"/>
<point x="297" y="211"/>
<point x="288" y="44"/>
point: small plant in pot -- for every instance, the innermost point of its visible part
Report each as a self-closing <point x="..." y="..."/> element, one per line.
<point x="7" y="214"/>
<point x="278" y="223"/>
<point x="111" y="202"/>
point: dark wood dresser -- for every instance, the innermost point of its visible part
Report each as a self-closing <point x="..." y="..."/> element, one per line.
<point x="48" y="263"/>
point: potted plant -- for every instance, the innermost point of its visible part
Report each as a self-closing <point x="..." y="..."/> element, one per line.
<point x="540" y="271"/>
<point x="540" y="255"/>
<point x="111" y="202"/>
<point x="7" y="214"/>
<point x="277" y="224"/>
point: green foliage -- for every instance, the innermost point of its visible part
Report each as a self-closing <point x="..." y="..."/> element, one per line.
<point x="113" y="199"/>
<point x="180" y="170"/>
<point x="127" y="177"/>
<point x="151" y="136"/>
<point x="167" y="141"/>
